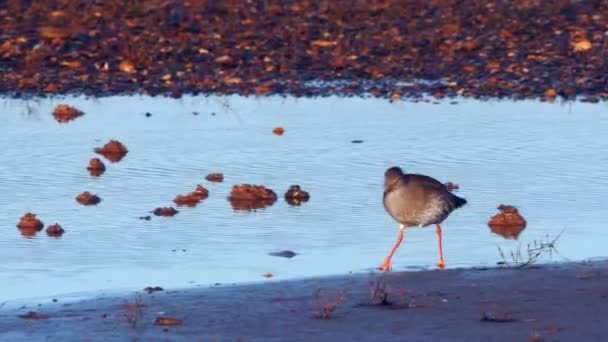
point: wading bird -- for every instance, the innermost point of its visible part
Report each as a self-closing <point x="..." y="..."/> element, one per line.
<point x="416" y="200"/>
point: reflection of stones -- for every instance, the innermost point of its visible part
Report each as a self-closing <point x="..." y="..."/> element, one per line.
<point x="54" y="230"/>
<point x="296" y="196"/>
<point x="251" y="197"/>
<point x="29" y="225"/>
<point x="451" y="186"/>
<point x="192" y="199"/>
<point x="96" y="167"/>
<point x="114" y="151"/>
<point x="508" y="223"/>
<point x="165" y="211"/>
<point x="65" y="113"/>
<point x="87" y="198"/>
<point x="215" y="177"/>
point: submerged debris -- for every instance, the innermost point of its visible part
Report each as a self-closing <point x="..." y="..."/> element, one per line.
<point x="215" y="177"/>
<point x="508" y="223"/>
<point x="151" y="289"/>
<point x="114" y="151"/>
<point x="251" y="197"/>
<point x="54" y="230"/>
<point x="284" y="254"/>
<point x="296" y="196"/>
<point x="193" y="198"/>
<point x="165" y="211"/>
<point x="87" y="198"/>
<point x="96" y="167"/>
<point x="64" y="113"/>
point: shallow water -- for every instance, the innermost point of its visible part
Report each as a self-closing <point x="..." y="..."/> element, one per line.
<point x="546" y="159"/>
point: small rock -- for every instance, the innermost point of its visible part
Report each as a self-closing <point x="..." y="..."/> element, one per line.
<point x="167" y="321"/>
<point x="165" y="211"/>
<point x="114" y="151"/>
<point x="193" y="198"/>
<point x="127" y="67"/>
<point x="251" y="197"/>
<point x="215" y="177"/>
<point x="54" y="230"/>
<point x="96" y="167"/>
<point x="508" y="223"/>
<point x="87" y="198"/>
<point x="296" y="196"/>
<point x="29" y="220"/>
<point x="64" y="113"/>
<point x="581" y="46"/>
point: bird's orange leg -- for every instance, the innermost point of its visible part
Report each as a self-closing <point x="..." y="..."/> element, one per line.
<point x="386" y="265"/>
<point x="440" y="264"/>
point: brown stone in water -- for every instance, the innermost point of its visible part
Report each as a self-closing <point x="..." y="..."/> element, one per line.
<point x="296" y="196"/>
<point x="96" y="167"/>
<point x="251" y="197"/>
<point x="54" y="230"/>
<point x="215" y="177"/>
<point x="165" y="211"/>
<point x="193" y="198"/>
<point x="30" y="224"/>
<point x="64" y="113"/>
<point x="87" y="198"/>
<point x="508" y="223"/>
<point x="114" y="151"/>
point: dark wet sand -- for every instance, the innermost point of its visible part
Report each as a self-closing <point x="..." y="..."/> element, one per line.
<point x="562" y="303"/>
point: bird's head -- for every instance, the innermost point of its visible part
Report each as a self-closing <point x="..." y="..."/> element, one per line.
<point x="392" y="175"/>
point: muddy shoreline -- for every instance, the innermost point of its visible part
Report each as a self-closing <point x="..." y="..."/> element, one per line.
<point x="390" y="49"/>
<point x="544" y="303"/>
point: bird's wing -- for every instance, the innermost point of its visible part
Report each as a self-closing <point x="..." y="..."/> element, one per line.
<point x="426" y="182"/>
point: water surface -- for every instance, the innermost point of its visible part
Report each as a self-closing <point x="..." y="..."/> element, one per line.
<point x="546" y="159"/>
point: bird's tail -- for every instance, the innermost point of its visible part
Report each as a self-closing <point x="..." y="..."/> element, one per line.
<point x="458" y="202"/>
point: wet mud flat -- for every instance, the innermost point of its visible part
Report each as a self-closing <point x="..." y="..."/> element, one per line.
<point x="542" y="303"/>
<point x="391" y="49"/>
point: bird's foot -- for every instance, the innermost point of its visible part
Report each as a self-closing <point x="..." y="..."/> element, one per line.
<point x="385" y="267"/>
<point x="441" y="265"/>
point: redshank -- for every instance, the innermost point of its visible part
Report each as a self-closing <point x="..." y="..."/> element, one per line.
<point x="416" y="200"/>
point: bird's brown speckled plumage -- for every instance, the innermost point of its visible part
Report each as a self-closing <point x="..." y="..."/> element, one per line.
<point x="417" y="200"/>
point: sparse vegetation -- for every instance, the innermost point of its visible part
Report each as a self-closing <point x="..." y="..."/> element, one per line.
<point x="538" y="248"/>
<point x="384" y="293"/>
<point x="325" y="302"/>
<point x="133" y="312"/>
<point x="493" y="315"/>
